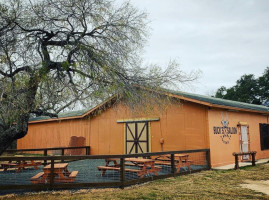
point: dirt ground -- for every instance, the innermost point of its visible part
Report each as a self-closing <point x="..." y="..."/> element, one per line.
<point x="259" y="186"/>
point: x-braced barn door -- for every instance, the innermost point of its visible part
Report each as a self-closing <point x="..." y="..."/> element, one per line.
<point x="137" y="137"/>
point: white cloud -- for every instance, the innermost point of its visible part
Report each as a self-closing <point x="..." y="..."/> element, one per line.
<point x="223" y="38"/>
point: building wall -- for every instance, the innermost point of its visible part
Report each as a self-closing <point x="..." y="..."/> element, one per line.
<point x="221" y="152"/>
<point x="182" y="126"/>
<point x="54" y="134"/>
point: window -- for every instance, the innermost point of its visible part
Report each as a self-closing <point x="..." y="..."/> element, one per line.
<point x="264" y="136"/>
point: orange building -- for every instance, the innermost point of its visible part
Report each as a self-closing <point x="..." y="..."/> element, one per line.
<point x="196" y="122"/>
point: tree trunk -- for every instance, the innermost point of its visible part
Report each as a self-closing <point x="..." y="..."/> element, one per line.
<point x="10" y="134"/>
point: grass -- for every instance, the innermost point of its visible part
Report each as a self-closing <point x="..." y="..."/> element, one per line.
<point x="204" y="185"/>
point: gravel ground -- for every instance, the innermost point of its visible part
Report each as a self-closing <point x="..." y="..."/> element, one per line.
<point x="88" y="172"/>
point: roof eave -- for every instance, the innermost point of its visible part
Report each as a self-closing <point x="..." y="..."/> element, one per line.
<point x="216" y="105"/>
<point x="211" y="105"/>
<point x="78" y="116"/>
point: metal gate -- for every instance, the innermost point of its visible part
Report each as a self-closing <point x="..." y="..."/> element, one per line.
<point x="136" y="137"/>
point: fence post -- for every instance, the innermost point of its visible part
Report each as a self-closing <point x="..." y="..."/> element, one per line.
<point x="253" y="158"/>
<point x="87" y="150"/>
<point x="62" y="154"/>
<point x="173" y="164"/>
<point x="122" y="172"/>
<point x="208" y="159"/>
<point x="236" y="166"/>
<point x="52" y="173"/>
<point x="45" y="154"/>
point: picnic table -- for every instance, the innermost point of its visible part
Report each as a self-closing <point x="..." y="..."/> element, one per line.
<point x="140" y="166"/>
<point x="60" y="173"/>
<point x="146" y="166"/>
<point x="181" y="160"/>
<point x="19" y="165"/>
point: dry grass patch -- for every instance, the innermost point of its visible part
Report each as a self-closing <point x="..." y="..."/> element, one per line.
<point x="204" y="185"/>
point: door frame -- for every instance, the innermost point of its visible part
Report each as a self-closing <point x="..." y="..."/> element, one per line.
<point x="137" y="136"/>
<point x="153" y="119"/>
<point x="240" y="124"/>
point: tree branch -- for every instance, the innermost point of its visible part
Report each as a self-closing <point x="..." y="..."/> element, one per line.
<point x="40" y="112"/>
<point x="25" y="68"/>
<point x="32" y="30"/>
<point x="60" y="43"/>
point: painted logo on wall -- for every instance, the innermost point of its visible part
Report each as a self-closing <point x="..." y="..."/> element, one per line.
<point x="225" y="131"/>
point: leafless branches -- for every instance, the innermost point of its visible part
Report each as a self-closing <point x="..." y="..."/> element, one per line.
<point x="55" y="53"/>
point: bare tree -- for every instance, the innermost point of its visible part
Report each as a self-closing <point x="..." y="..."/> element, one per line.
<point x="55" y="53"/>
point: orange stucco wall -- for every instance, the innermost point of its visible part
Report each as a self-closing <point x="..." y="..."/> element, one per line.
<point x="221" y="153"/>
<point x="183" y="126"/>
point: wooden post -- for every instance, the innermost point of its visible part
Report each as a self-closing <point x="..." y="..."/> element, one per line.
<point x="236" y="166"/>
<point x="45" y="154"/>
<point x="52" y="173"/>
<point x="62" y="154"/>
<point x="173" y="171"/>
<point x="208" y="159"/>
<point x="253" y="158"/>
<point x="87" y="150"/>
<point x="122" y="172"/>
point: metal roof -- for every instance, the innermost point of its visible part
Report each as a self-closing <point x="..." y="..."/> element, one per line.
<point x="62" y="115"/>
<point x="201" y="98"/>
<point x="219" y="101"/>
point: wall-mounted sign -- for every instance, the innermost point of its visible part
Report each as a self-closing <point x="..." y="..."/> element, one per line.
<point x="225" y="131"/>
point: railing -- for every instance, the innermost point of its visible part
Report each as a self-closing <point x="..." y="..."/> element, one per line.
<point x="87" y="171"/>
<point x="54" y="150"/>
<point x="236" y="155"/>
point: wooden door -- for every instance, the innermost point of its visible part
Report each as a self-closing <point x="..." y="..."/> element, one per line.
<point x="137" y="137"/>
<point x="244" y="141"/>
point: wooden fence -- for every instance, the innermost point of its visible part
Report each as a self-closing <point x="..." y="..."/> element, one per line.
<point x="89" y="174"/>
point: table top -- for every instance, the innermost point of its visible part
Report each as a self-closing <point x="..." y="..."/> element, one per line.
<point x="139" y="160"/>
<point x="57" y="166"/>
<point x="181" y="155"/>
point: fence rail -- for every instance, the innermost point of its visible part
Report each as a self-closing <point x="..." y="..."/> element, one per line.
<point x="96" y="171"/>
<point x="45" y="150"/>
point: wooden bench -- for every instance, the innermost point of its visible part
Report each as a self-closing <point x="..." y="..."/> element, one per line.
<point x="116" y="164"/>
<point x="251" y="153"/>
<point x="104" y="168"/>
<point x="38" y="178"/>
<point x="20" y="165"/>
<point x="73" y="174"/>
<point x="128" y="164"/>
<point x="117" y="169"/>
<point x="35" y="179"/>
<point x="139" y="171"/>
<point x="166" y="160"/>
<point x="162" y="163"/>
<point x="9" y="165"/>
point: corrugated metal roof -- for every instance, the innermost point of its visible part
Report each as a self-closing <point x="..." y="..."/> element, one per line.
<point x="211" y="100"/>
<point x="62" y="115"/>
<point x="222" y="102"/>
